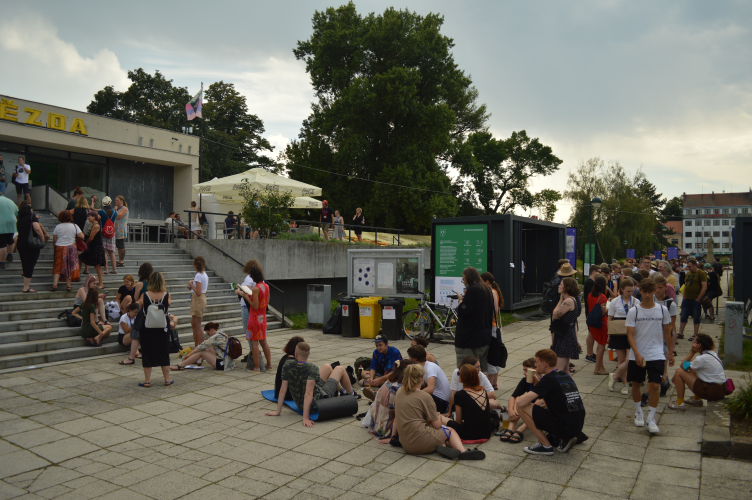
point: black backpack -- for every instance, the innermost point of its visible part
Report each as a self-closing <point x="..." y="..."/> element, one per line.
<point x="202" y="218"/>
<point x="334" y="325"/>
<point x="175" y="346"/>
<point x="71" y="320"/>
<point x="550" y="296"/>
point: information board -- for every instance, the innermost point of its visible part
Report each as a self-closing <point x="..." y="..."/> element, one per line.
<point x="458" y="246"/>
<point x="630" y="253"/>
<point x="385" y="273"/>
<point x="672" y="253"/>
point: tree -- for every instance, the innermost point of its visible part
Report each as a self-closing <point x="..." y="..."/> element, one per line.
<point x="546" y="202"/>
<point x="233" y="135"/>
<point x="268" y="211"/>
<point x="500" y="170"/>
<point x="392" y="110"/>
<point x="673" y="210"/>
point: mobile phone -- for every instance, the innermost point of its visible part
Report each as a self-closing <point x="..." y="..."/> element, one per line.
<point x="106" y="292"/>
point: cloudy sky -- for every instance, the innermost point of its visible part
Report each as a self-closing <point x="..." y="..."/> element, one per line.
<point x="662" y="85"/>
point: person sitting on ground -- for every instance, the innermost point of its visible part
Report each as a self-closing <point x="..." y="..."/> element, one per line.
<point x="472" y="407"/>
<point x="418" y="423"/>
<point x="436" y="382"/>
<point x="289" y="350"/>
<point x="125" y="293"/>
<point x="382" y="362"/>
<point x="382" y="409"/>
<point x="455" y="385"/>
<point x="564" y="414"/>
<point x="126" y="325"/>
<point x="91" y="283"/>
<point x="423" y="342"/>
<point x="91" y="331"/>
<point x="704" y="375"/>
<point x="308" y="383"/>
<point x="513" y="433"/>
<point x="216" y="357"/>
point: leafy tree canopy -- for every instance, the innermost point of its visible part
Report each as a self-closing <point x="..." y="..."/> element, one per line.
<point x="392" y="106"/>
<point x="673" y="210"/>
<point x="234" y="143"/>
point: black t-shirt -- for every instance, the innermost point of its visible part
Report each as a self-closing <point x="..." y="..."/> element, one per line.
<point x="123" y="291"/>
<point x="326" y="214"/>
<point x="24" y="226"/>
<point x="476" y="421"/>
<point x="718" y="268"/>
<point x="72" y="204"/>
<point x="521" y="388"/>
<point x="562" y="399"/>
<point x="278" y="379"/>
<point x="475" y="316"/>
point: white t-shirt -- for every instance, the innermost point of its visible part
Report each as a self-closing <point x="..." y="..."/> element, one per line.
<point x="664" y="302"/>
<point x="23" y="175"/>
<point x="250" y="284"/>
<point x="619" y="309"/>
<point x="125" y="318"/>
<point x="66" y="234"/>
<point x="441" y="388"/>
<point x="456" y="385"/>
<point x="648" y="325"/>
<point x="709" y="368"/>
<point x="203" y="279"/>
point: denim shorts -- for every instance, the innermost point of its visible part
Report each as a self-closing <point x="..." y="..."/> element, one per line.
<point x="693" y="306"/>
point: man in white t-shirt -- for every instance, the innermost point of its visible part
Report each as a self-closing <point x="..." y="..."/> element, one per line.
<point x="662" y="299"/>
<point x="435" y="381"/>
<point x="21" y="180"/>
<point x="648" y="327"/>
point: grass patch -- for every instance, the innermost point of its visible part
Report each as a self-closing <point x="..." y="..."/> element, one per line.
<point x="740" y="403"/>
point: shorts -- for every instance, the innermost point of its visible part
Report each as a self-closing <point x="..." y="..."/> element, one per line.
<point x="547" y="421"/>
<point x="328" y="389"/>
<point x="479" y="352"/>
<point x="195" y="226"/>
<point x="120" y="243"/>
<point x="693" y="306"/>
<point x="493" y="370"/>
<point x="711" y="392"/>
<point x="654" y="370"/>
<point x="325" y="227"/>
<point x="121" y="336"/>
<point x="198" y="304"/>
<point x="441" y="405"/>
<point x="6" y="239"/>
<point x="23" y="188"/>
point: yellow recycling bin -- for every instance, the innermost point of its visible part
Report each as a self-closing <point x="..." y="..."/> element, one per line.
<point x="370" y="317"/>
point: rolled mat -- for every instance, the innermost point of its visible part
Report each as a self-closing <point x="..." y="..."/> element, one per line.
<point x="328" y="408"/>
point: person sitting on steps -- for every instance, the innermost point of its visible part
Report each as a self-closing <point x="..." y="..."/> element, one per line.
<point x="308" y="383"/>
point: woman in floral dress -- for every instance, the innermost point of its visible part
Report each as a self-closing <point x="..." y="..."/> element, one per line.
<point x="382" y="409"/>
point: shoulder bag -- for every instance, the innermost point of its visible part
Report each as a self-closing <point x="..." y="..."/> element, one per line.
<point x="34" y="242"/>
<point x="730" y="387"/>
<point x="618" y="326"/>
<point x="595" y="317"/>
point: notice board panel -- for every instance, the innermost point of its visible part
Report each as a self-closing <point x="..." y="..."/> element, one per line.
<point x="385" y="273"/>
<point x="458" y="246"/>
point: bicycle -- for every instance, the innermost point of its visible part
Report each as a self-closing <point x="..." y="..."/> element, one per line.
<point x="430" y="318"/>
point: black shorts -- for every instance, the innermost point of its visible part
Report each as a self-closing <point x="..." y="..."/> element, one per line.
<point x="547" y="421"/>
<point x="654" y="370"/>
<point x="441" y="405"/>
<point x="120" y="243"/>
<point x="121" y="336"/>
<point x="6" y="239"/>
<point x="23" y="188"/>
<point x="219" y="365"/>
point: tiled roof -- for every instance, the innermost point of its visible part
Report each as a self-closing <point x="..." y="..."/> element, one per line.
<point x="675" y="226"/>
<point x="717" y="199"/>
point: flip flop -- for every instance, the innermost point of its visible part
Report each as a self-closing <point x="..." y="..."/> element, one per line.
<point x="601" y="373"/>
<point x="132" y="362"/>
<point x="121" y="264"/>
<point x="169" y="383"/>
<point x="144" y="384"/>
<point x="177" y="368"/>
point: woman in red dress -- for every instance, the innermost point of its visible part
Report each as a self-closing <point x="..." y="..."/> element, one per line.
<point x="598" y="297"/>
<point x="257" y="316"/>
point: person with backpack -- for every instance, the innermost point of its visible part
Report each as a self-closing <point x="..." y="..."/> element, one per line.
<point x="108" y="217"/>
<point x="213" y="350"/>
<point x="704" y="375"/>
<point x="590" y="341"/>
<point x="597" y="300"/>
<point x="662" y="299"/>
<point x="154" y="336"/>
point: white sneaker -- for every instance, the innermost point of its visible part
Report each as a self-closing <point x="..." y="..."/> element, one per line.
<point x="625" y="390"/>
<point x="652" y="427"/>
<point x="611" y="382"/>
<point x="639" y="420"/>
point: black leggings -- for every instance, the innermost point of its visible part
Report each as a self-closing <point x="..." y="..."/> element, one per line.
<point x="29" y="258"/>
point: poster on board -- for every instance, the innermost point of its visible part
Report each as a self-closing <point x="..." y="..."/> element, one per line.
<point x="571" y="253"/>
<point x="363" y="276"/>
<point x="407" y="275"/>
<point x="458" y="246"/>
<point x="386" y="272"/>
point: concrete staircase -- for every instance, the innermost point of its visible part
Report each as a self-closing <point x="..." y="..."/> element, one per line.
<point x="31" y="334"/>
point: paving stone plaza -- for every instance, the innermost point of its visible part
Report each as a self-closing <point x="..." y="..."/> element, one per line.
<point x="86" y="430"/>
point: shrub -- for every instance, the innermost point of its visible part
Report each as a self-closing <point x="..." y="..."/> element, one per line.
<point x="740" y="403"/>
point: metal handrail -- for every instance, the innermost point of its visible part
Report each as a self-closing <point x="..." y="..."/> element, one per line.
<point x="224" y="254"/>
<point x="357" y="226"/>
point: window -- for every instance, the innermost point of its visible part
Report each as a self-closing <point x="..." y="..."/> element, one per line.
<point x="716" y="245"/>
<point x="698" y="223"/>
<point x="725" y="234"/>
<point x="745" y="211"/>
<point x="707" y="222"/>
<point x="688" y="234"/>
<point x="707" y="211"/>
<point x="704" y="245"/>
<point x="734" y="210"/>
<point x="725" y="210"/>
<point x="674" y="241"/>
<point x="688" y="245"/>
<point x="688" y="212"/>
<point x="698" y="234"/>
<point x="698" y="211"/>
<point x="716" y="234"/>
<point x="687" y="222"/>
<point x="726" y="245"/>
<point x="724" y="222"/>
<point x="716" y="222"/>
<point x="707" y="234"/>
<point x="698" y="245"/>
<point x="716" y="211"/>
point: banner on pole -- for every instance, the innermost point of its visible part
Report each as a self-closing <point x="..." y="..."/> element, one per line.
<point x="658" y="255"/>
<point x="571" y="246"/>
<point x="630" y="253"/>
<point x="672" y="253"/>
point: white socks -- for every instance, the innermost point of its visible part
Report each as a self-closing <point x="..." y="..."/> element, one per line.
<point x="637" y="408"/>
<point x="651" y="414"/>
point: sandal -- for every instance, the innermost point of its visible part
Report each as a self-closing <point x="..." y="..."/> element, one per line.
<point x="674" y="406"/>
<point x="516" y="437"/>
<point x="30" y="290"/>
<point x="121" y="264"/>
<point x="68" y="289"/>
<point x="505" y="435"/>
<point x="53" y="288"/>
<point x="169" y="383"/>
<point x="144" y="384"/>
<point x="85" y="272"/>
<point x="132" y="362"/>
<point x="177" y="368"/>
<point x="269" y="367"/>
<point x="601" y="373"/>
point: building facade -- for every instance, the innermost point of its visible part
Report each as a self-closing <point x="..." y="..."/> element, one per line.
<point x="713" y="215"/>
<point x="154" y="169"/>
<point x="675" y="240"/>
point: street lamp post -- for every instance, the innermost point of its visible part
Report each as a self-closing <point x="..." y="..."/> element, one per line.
<point x="595" y="202"/>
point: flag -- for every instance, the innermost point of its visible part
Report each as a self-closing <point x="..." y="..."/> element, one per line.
<point x="193" y="108"/>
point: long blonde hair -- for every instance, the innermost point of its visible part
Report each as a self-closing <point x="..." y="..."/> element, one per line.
<point x="157" y="283"/>
<point x="413" y="377"/>
<point x="82" y="202"/>
<point x="120" y="196"/>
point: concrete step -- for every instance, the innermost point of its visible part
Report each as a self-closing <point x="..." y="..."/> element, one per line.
<point x="13" y="294"/>
<point x="64" y="300"/>
<point x="10" y="282"/>
<point x="182" y="310"/>
<point x="110" y="346"/>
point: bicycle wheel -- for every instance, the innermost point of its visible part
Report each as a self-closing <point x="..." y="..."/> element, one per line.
<point x="447" y="322"/>
<point x="412" y="322"/>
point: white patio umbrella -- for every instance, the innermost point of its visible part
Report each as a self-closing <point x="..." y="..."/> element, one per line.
<point x="228" y="188"/>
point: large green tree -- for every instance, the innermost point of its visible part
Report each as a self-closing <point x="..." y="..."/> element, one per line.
<point x="673" y="210"/>
<point x="233" y="135"/>
<point x="392" y="109"/>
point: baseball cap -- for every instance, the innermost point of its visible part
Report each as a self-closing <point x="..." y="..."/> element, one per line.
<point x="381" y="338"/>
<point x="325" y="202"/>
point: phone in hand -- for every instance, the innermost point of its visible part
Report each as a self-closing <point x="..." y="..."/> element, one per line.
<point x="106" y="292"/>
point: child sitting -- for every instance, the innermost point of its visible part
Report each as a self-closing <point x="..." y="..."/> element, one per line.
<point x="514" y="434"/>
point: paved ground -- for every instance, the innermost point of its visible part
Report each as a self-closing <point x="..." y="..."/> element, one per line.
<point x="86" y="430"/>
